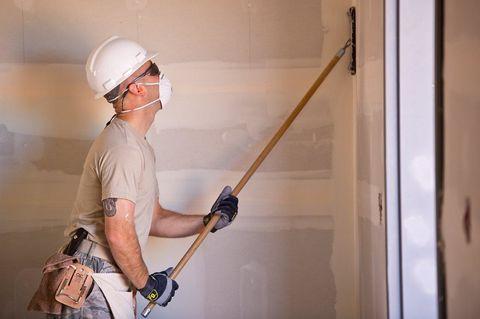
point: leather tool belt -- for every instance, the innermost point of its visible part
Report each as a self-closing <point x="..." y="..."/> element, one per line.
<point x="81" y="243"/>
<point x="65" y="280"/>
<point x="77" y="280"/>
<point x="75" y="285"/>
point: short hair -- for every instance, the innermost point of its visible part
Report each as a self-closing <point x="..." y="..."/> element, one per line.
<point x="112" y="94"/>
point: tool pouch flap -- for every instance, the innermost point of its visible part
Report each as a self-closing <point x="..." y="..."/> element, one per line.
<point x="53" y="271"/>
<point x="75" y="285"/>
<point x="58" y="261"/>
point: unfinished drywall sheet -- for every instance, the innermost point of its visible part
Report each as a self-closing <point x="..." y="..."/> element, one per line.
<point x="370" y="191"/>
<point x="238" y="68"/>
<point x="460" y="222"/>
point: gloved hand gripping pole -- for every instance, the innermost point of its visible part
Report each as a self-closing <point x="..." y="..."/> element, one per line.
<point x="255" y="166"/>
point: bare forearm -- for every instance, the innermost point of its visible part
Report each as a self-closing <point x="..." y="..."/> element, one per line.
<point x="123" y="241"/>
<point x="173" y="225"/>
<point x="128" y="256"/>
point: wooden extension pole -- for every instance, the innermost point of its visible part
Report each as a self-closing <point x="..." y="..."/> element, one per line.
<point x="254" y="167"/>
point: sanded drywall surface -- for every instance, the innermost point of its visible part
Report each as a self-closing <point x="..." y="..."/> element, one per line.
<point x="370" y="190"/>
<point x="261" y="30"/>
<point x="238" y="68"/>
<point x="460" y="214"/>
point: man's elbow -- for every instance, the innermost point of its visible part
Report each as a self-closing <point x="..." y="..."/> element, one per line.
<point x="120" y="233"/>
<point x="114" y="238"/>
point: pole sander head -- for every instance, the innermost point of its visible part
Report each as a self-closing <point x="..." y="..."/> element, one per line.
<point x="352" y="67"/>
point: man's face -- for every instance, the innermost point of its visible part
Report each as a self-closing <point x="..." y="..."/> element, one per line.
<point x="142" y="87"/>
<point x="153" y="89"/>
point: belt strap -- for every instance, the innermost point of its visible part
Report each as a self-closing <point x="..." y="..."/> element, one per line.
<point x="93" y="249"/>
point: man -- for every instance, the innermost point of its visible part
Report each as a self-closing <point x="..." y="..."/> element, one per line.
<point x="117" y="205"/>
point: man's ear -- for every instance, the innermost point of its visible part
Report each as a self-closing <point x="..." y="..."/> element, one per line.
<point x="137" y="89"/>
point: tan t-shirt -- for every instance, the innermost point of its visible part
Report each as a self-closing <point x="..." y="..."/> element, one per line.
<point x="119" y="164"/>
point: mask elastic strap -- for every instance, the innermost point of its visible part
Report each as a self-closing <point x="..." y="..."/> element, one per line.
<point x="141" y="107"/>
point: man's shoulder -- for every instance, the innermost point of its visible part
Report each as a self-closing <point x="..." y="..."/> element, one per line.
<point x="119" y="152"/>
<point x="114" y="140"/>
<point x="114" y="136"/>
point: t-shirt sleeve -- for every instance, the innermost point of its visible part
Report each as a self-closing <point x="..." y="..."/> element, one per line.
<point x="120" y="171"/>
<point x="157" y="192"/>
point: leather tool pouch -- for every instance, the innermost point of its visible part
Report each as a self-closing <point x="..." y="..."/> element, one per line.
<point x="75" y="285"/>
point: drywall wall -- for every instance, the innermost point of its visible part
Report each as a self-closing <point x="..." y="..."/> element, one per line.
<point x="460" y="222"/>
<point x="370" y="166"/>
<point x="238" y="68"/>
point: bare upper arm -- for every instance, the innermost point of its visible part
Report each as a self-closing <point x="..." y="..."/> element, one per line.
<point x="159" y="211"/>
<point x="157" y="208"/>
<point x="119" y="217"/>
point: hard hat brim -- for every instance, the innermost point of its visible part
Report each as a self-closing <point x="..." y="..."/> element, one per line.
<point x="148" y="56"/>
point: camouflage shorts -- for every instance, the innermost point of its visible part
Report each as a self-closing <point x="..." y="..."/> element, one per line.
<point x="95" y="306"/>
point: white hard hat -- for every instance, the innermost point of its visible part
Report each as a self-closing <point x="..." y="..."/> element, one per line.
<point x="112" y="62"/>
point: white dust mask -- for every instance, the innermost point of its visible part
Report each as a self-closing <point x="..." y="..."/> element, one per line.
<point x="165" y="89"/>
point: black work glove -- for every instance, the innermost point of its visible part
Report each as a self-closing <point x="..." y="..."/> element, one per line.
<point x="160" y="288"/>
<point x="227" y="206"/>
